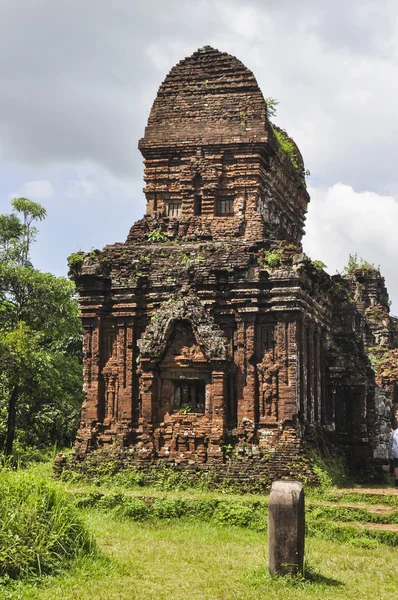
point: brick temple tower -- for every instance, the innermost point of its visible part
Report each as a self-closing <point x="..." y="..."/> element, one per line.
<point x="208" y="328"/>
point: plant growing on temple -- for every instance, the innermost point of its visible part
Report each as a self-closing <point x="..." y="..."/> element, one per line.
<point x="272" y="104"/>
<point x="75" y="261"/>
<point x="282" y="255"/>
<point x="40" y="341"/>
<point x="228" y="449"/>
<point x="318" y="265"/>
<point x="156" y="235"/>
<point x="272" y="259"/>
<point x="285" y="144"/>
<point x="356" y="263"/>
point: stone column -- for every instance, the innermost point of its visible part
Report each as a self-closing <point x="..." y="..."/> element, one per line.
<point x="317" y="377"/>
<point x="310" y="372"/>
<point x="147" y="391"/>
<point x="323" y="386"/>
<point x="92" y="410"/>
<point x="301" y="398"/>
<point x="218" y="385"/>
<point x="248" y="402"/>
<point x="125" y="359"/>
<point x="286" y="528"/>
<point x="286" y="355"/>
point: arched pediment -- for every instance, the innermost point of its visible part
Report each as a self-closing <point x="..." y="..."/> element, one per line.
<point x="210" y="338"/>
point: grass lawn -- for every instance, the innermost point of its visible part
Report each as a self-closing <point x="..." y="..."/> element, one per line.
<point x="183" y="560"/>
<point x="184" y="546"/>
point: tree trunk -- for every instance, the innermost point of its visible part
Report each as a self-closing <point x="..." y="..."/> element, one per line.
<point x="11" y="420"/>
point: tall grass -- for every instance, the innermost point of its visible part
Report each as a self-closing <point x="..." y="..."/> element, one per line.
<point x="40" y="529"/>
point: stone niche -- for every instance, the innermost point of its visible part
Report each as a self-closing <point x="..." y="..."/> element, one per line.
<point x="211" y="341"/>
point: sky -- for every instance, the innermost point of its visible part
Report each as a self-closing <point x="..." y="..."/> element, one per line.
<point x="78" y="79"/>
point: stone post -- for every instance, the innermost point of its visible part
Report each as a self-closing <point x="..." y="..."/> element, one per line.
<point x="286" y="528"/>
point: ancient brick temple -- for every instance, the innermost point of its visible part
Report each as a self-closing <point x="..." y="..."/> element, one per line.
<point x="210" y="338"/>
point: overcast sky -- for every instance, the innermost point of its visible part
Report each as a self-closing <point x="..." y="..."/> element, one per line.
<point x="78" y="78"/>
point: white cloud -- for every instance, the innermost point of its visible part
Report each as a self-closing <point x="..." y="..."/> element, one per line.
<point x="342" y="221"/>
<point x="332" y="65"/>
<point x="81" y="187"/>
<point x="34" y="190"/>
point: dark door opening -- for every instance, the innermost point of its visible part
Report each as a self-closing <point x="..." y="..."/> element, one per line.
<point x="189" y="396"/>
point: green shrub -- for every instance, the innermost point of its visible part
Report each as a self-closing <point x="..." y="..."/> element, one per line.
<point x="326" y="530"/>
<point x="134" y="508"/>
<point x="204" y="509"/>
<point x="356" y="263"/>
<point x="250" y="514"/>
<point x="234" y="513"/>
<point x="129" y="478"/>
<point x="167" y="479"/>
<point x="76" y="259"/>
<point x="330" y="469"/>
<point x="88" y="500"/>
<point x="111" y="501"/>
<point x="319" y="265"/>
<point x="272" y="258"/>
<point x="25" y="456"/>
<point x="337" y="523"/>
<point x="40" y="528"/>
<point x="341" y="514"/>
<point x="170" y="508"/>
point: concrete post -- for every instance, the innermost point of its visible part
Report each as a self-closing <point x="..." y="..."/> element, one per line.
<point x="286" y="529"/>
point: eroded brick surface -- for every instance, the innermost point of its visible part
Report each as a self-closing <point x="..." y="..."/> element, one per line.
<point x="208" y="333"/>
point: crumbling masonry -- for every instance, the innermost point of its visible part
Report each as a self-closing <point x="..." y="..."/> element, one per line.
<point x="210" y="340"/>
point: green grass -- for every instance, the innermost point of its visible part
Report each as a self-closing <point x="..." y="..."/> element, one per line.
<point x="40" y="528"/>
<point x="327" y="522"/>
<point x="180" y="560"/>
<point x="192" y="543"/>
<point x="339" y="497"/>
<point x="350" y="515"/>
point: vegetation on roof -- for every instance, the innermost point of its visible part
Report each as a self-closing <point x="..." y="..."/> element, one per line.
<point x="356" y="263"/>
<point x="286" y="145"/>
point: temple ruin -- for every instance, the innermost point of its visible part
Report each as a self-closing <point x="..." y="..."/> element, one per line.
<point x="211" y="341"/>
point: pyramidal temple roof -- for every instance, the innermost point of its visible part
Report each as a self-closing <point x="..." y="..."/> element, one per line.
<point x="207" y="96"/>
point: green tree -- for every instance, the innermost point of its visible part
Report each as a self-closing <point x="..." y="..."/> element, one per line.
<point x="40" y="341"/>
<point x="31" y="212"/>
<point x="10" y="237"/>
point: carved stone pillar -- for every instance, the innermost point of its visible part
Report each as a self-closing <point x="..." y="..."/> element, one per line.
<point x="317" y="376"/>
<point x="125" y="359"/>
<point x="248" y="396"/>
<point x="92" y="410"/>
<point x="148" y="382"/>
<point x="286" y="350"/>
<point x="111" y="396"/>
<point x="310" y="372"/>
<point x="218" y="424"/>
<point x="268" y="375"/>
<point x="218" y="383"/>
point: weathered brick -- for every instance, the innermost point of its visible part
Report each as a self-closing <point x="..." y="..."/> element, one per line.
<point x="209" y="328"/>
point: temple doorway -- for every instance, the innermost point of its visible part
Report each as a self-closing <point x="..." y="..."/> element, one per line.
<point x="189" y="395"/>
